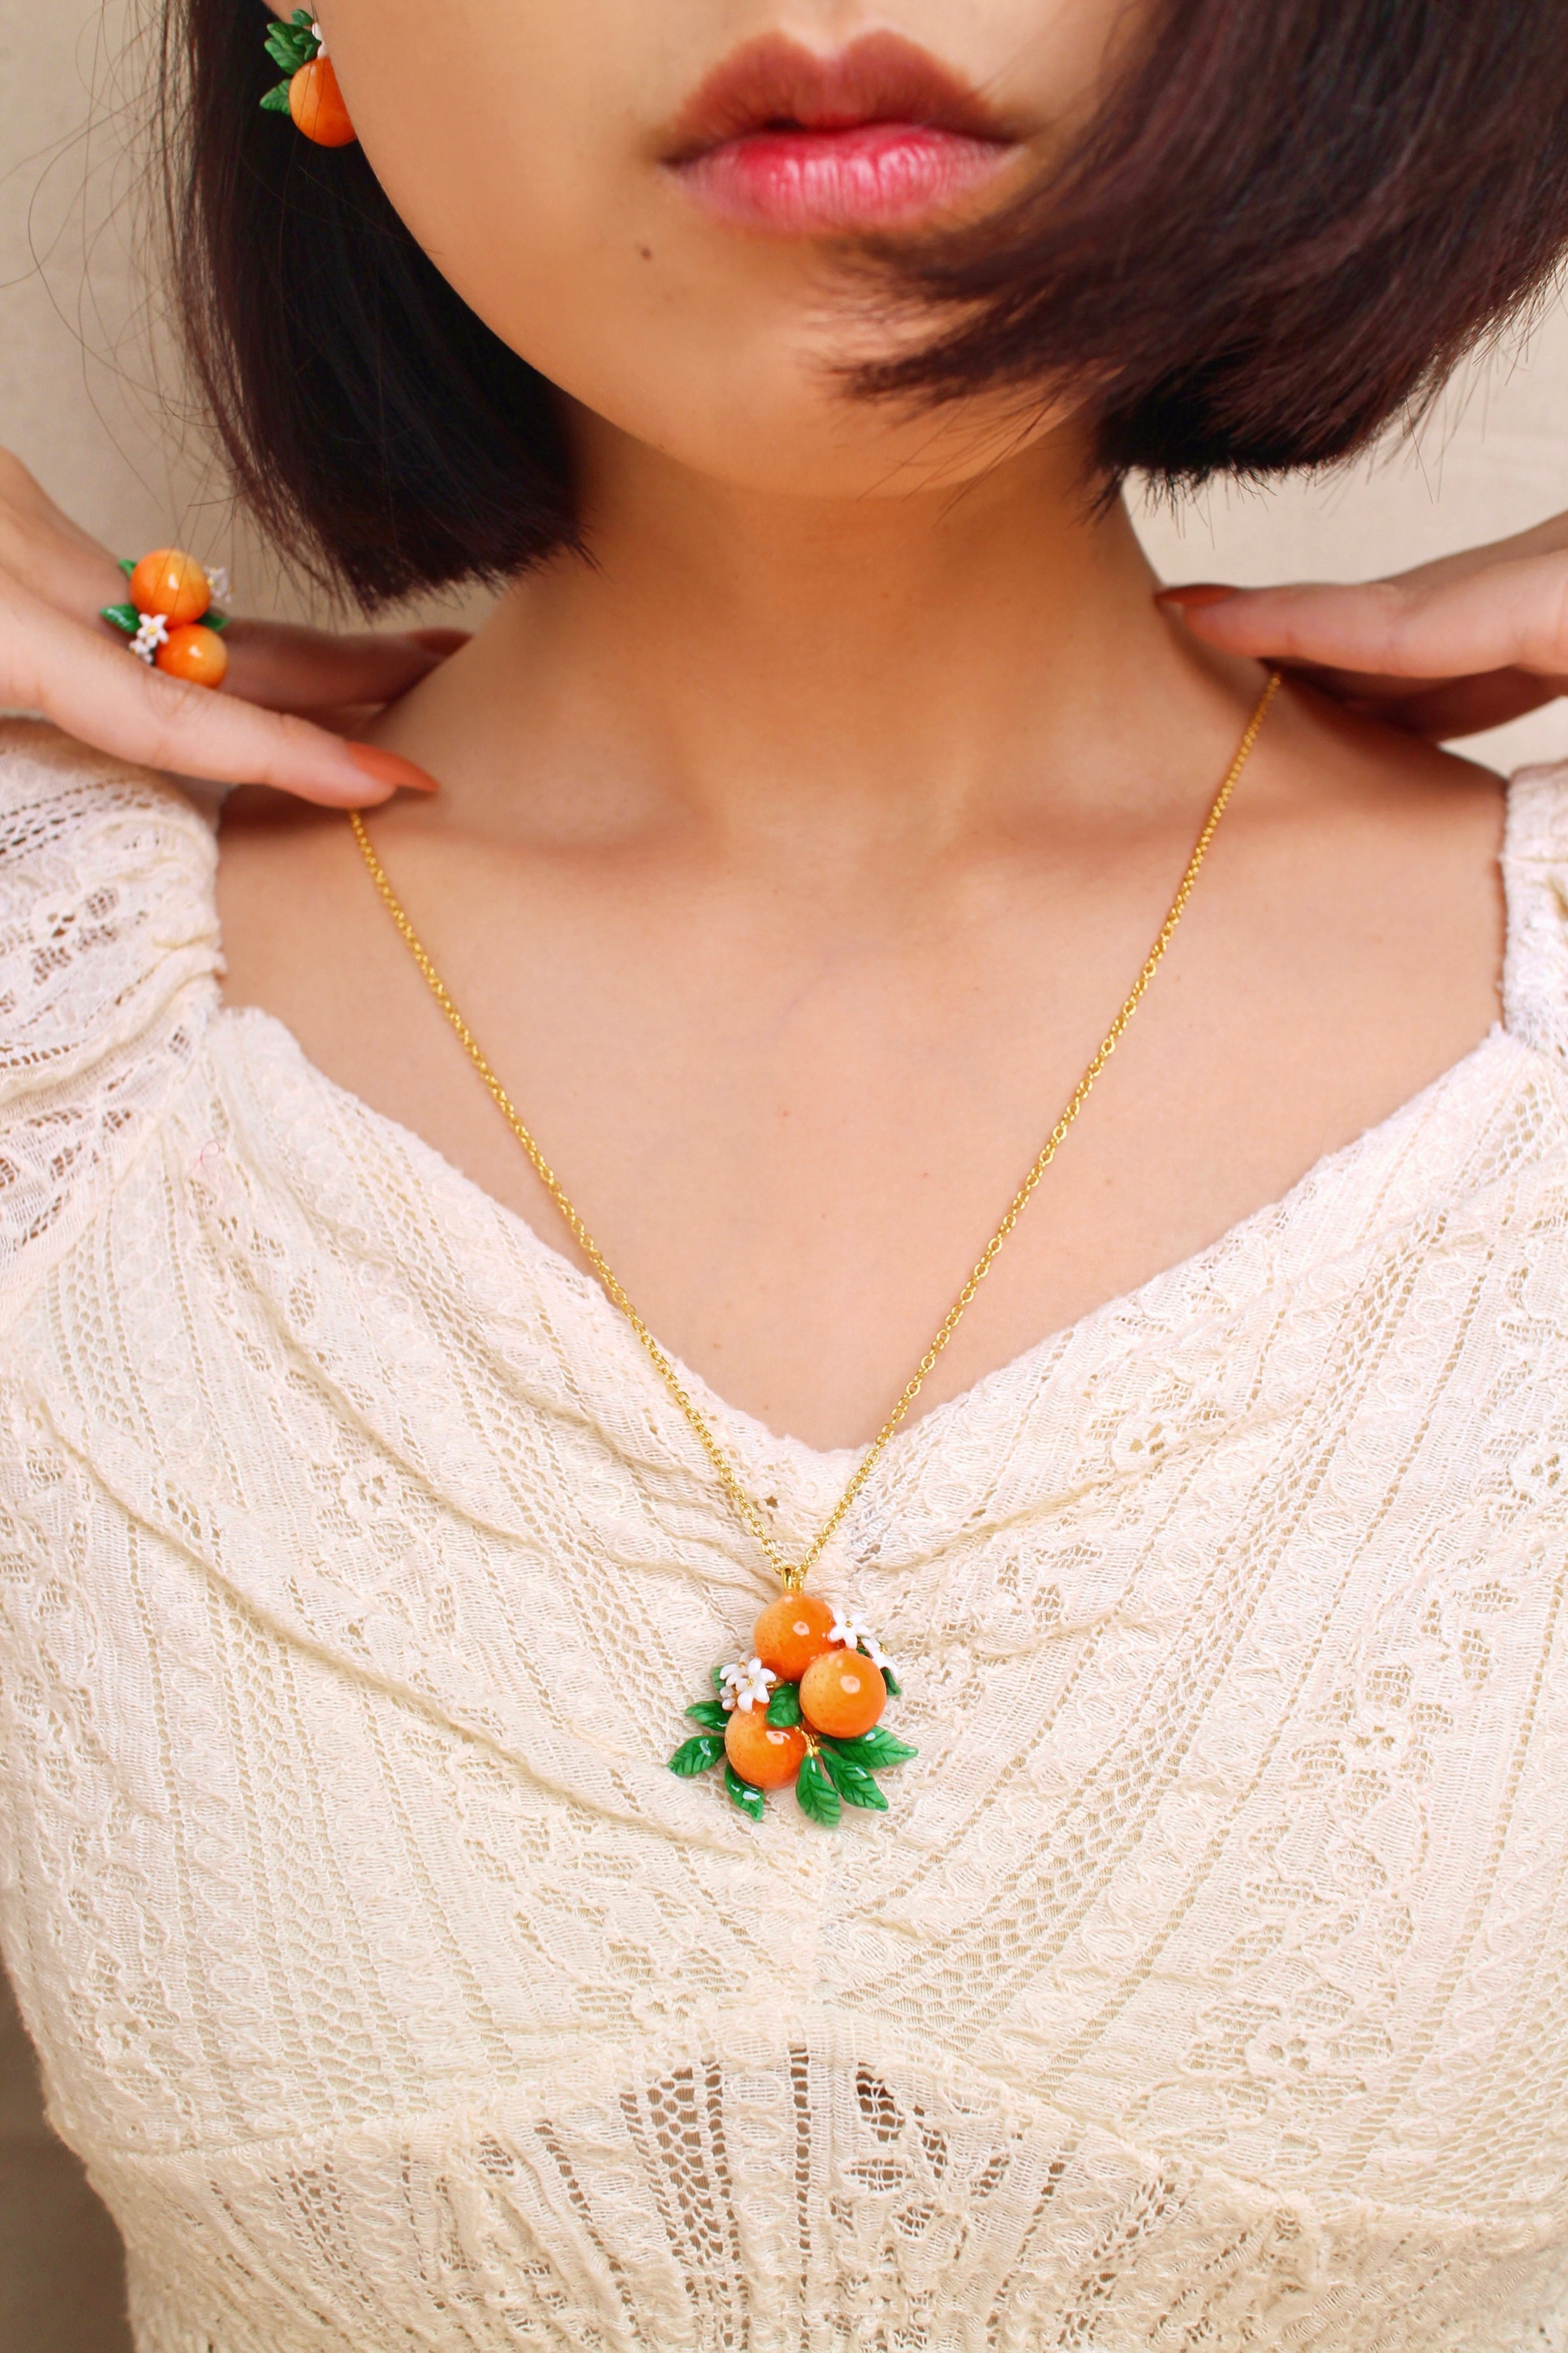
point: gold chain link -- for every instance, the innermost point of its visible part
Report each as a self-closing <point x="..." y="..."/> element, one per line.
<point x="793" y="1575"/>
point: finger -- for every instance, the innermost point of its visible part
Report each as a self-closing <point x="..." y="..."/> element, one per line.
<point x="444" y="642"/>
<point x="1440" y="708"/>
<point x="1512" y="615"/>
<point x="47" y="553"/>
<point x="90" y="687"/>
<point x="285" y="668"/>
<point x="1455" y="708"/>
<point x="1547" y="538"/>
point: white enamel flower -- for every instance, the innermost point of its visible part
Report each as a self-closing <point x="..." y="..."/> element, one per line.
<point x="151" y="633"/>
<point x="855" y="1635"/>
<point x="745" y="1685"/>
<point x="321" y="40"/>
<point x="217" y="583"/>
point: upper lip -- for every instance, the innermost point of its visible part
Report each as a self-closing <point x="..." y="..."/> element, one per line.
<point x="775" y="82"/>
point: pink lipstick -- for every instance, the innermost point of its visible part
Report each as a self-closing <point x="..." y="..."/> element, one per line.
<point x="785" y="141"/>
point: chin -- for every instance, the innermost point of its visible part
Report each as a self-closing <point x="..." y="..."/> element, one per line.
<point x="780" y="422"/>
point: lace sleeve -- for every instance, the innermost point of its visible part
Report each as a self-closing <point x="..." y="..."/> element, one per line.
<point x="1535" y="869"/>
<point x="108" y="953"/>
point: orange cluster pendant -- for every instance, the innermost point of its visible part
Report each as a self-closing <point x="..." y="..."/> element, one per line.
<point x="805" y="1707"/>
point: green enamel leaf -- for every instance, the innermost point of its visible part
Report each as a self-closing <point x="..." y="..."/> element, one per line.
<point x="717" y="1678"/>
<point x="854" y="1784"/>
<point x="751" y="1801"/>
<point x="124" y="617"/>
<point x="694" y="1756"/>
<point x="292" y="49"/>
<point x="876" y="1748"/>
<point x="707" y="1712"/>
<point x="815" y="1792"/>
<point x="783" y="1707"/>
<point x="276" y="100"/>
<point x="211" y="620"/>
<point x="128" y="564"/>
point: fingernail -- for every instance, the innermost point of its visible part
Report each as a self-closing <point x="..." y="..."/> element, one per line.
<point x="1198" y="592"/>
<point x="387" y="768"/>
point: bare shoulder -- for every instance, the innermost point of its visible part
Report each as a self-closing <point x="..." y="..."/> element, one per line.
<point x="1373" y="862"/>
<point x="293" y="902"/>
<point x="1332" y="767"/>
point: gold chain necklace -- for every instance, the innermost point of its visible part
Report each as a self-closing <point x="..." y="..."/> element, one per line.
<point x="808" y="1705"/>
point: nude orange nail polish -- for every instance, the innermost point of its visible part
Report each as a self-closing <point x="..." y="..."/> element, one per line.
<point x="387" y="768"/>
<point x="1199" y="593"/>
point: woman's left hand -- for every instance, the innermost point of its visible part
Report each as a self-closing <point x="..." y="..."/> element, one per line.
<point x="1442" y="651"/>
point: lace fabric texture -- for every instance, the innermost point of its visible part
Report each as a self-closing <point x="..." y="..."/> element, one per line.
<point x="1207" y="1986"/>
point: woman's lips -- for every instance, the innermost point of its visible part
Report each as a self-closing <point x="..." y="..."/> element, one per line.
<point x="867" y="176"/>
<point x="783" y="140"/>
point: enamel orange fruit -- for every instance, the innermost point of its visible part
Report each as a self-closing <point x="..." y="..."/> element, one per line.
<point x="195" y="654"/>
<point x="316" y="103"/>
<point x="766" y="1755"/>
<point x="171" y="583"/>
<point x="790" y="1632"/>
<point x="842" y="1694"/>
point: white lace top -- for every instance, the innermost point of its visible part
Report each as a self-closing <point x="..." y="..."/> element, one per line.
<point x="1207" y="1984"/>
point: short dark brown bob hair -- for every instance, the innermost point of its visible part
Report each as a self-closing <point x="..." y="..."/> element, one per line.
<point x="1289" y="220"/>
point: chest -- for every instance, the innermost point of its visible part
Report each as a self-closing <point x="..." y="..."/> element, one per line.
<point x="793" y="1127"/>
<point x="1232" y="1649"/>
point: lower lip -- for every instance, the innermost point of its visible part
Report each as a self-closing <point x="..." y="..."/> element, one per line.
<point x="872" y="176"/>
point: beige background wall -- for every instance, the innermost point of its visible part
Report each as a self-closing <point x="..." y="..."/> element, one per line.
<point x="79" y="401"/>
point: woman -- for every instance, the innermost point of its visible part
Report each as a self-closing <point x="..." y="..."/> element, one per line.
<point x="806" y="811"/>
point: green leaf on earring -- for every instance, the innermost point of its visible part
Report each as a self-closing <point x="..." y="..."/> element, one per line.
<point x="854" y="1784"/>
<point x="877" y="1748"/>
<point x="740" y="1793"/>
<point x="124" y="617"/>
<point x="694" y="1756"/>
<point x="290" y="48"/>
<point x="709" y="1714"/>
<point x="276" y="100"/>
<point x="783" y="1707"/>
<point x="815" y="1795"/>
<point x="894" y="1687"/>
<point x="128" y="564"/>
<point x="211" y="620"/>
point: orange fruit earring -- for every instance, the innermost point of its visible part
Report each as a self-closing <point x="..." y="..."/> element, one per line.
<point x="309" y="92"/>
<point x="169" y="619"/>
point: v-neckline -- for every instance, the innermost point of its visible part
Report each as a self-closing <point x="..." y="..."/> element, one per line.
<point x="819" y="1467"/>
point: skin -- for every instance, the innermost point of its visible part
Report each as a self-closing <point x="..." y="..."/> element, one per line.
<point x="791" y="858"/>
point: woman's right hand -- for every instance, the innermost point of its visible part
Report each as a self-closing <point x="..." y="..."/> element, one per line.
<point x="278" y="717"/>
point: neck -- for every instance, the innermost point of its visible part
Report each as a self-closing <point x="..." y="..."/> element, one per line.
<point x="843" y="673"/>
